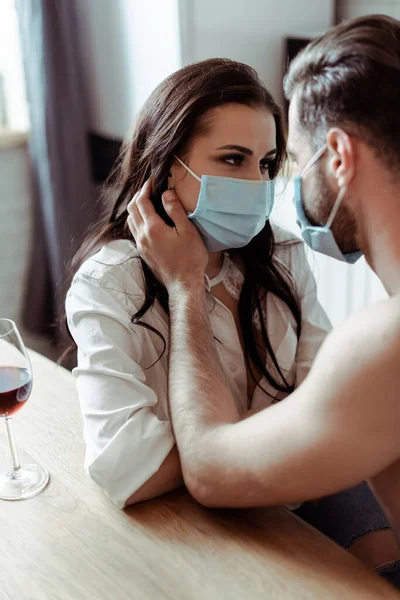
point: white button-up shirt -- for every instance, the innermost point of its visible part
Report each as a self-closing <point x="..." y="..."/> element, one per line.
<point x="121" y="379"/>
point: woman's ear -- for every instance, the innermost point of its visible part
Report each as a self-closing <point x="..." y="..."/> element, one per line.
<point x="171" y="179"/>
<point x="175" y="175"/>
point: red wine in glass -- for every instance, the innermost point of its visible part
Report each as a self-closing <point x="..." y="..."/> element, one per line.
<point x="15" y="389"/>
<point x="27" y="480"/>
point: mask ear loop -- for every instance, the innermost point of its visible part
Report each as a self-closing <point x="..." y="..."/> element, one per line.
<point x="342" y="191"/>
<point x="313" y="159"/>
<point x="335" y="208"/>
<point x="187" y="169"/>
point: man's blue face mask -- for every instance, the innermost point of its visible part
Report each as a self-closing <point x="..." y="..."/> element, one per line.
<point x="320" y="238"/>
<point x="230" y="212"/>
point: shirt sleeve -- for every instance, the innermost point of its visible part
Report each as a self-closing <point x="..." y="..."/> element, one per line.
<point x="315" y="324"/>
<point x="125" y="441"/>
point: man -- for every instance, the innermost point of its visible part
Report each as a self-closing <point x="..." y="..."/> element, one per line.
<point x="342" y="425"/>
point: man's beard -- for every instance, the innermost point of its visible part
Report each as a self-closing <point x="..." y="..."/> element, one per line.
<point x="344" y="227"/>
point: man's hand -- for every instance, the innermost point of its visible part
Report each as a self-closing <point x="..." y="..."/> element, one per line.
<point x="176" y="255"/>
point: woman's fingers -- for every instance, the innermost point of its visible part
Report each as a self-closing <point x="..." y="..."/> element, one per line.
<point x="132" y="227"/>
<point x="135" y="218"/>
<point x="174" y="209"/>
<point x="172" y="257"/>
<point x="142" y="211"/>
<point x="145" y="205"/>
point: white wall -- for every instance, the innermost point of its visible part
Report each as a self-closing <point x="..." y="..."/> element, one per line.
<point x="128" y="47"/>
<point x="252" y="31"/>
<point x="349" y="9"/>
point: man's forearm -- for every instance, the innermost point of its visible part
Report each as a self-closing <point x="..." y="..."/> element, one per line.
<point x="200" y="398"/>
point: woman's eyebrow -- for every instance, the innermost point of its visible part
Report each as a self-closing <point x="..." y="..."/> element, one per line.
<point x="244" y="149"/>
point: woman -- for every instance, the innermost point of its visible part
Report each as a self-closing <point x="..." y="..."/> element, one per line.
<point x="215" y="122"/>
<point x="219" y="118"/>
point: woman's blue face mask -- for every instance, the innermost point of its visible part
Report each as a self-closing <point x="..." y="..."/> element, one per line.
<point x="320" y="238"/>
<point x="230" y="212"/>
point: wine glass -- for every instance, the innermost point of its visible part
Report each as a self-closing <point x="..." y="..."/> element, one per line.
<point x="15" y="387"/>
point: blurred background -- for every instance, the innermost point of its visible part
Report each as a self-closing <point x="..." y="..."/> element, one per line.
<point x="73" y="75"/>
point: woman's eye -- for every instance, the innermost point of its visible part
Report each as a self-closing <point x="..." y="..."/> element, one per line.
<point x="266" y="164"/>
<point x="234" y="159"/>
<point x="237" y="160"/>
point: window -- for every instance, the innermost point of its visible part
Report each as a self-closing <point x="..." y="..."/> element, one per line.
<point x="13" y="104"/>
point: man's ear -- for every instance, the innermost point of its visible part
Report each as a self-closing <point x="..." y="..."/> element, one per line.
<point x="342" y="156"/>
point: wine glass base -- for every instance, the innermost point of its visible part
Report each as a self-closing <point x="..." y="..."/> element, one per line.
<point x="26" y="482"/>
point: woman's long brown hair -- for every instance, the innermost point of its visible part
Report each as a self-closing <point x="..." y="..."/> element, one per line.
<point x="171" y="117"/>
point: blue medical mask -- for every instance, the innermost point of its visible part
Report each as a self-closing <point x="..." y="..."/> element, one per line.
<point x="230" y="212"/>
<point x="320" y="238"/>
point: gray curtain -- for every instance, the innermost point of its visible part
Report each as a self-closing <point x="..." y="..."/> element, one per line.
<point x="65" y="196"/>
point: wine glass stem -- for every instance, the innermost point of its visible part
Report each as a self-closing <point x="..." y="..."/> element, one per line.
<point x="13" y="447"/>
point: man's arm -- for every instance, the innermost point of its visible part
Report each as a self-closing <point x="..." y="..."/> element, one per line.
<point x="200" y="400"/>
<point x="338" y="428"/>
<point x="169" y="476"/>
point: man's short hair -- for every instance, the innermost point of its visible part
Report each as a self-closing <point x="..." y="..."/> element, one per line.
<point x="350" y="78"/>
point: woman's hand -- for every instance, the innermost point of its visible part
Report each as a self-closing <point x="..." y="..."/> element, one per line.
<point x="176" y="255"/>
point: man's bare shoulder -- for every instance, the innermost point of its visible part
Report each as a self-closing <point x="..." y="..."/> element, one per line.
<point x="371" y="330"/>
<point x="364" y="351"/>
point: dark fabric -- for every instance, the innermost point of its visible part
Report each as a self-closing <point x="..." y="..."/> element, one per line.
<point x="65" y="194"/>
<point x="346" y="516"/>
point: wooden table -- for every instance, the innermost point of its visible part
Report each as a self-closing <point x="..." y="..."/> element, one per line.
<point x="70" y="543"/>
